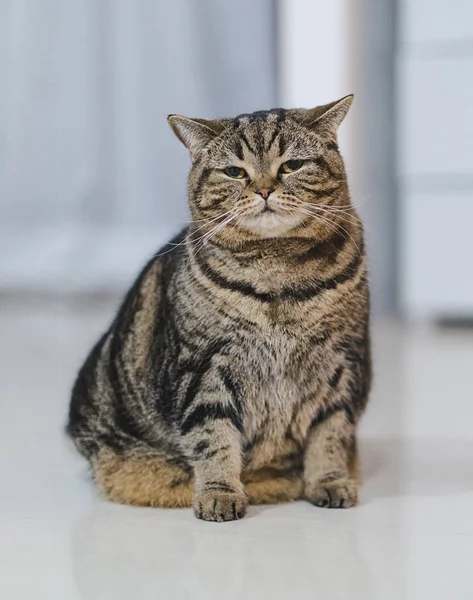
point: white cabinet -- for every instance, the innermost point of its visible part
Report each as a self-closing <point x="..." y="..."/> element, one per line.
<point x="435" y="20"/>
<point x="435" y="158"/>
<point x="437" y="254"/>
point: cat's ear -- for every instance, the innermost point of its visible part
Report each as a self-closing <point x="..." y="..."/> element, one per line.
<point x="195" y="133"/>
<point x="326" y="118"/>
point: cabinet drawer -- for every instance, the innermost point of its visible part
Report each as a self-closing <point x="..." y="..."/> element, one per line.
<point x="435" y="20"/>
<point x="436" y="262"/>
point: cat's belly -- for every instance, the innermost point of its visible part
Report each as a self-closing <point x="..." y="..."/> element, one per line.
<point x="279" y="405"/>
<point x="267" y="422"/>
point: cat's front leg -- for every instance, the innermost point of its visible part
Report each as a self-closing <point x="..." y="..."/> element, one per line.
<point x="331" y="473"/>
<point x="219" y="494"/>
<point x="211" y="433"/>
<point x="330" y="465"/>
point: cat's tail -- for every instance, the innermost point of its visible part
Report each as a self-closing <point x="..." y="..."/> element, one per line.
<point x="143" y="479"/>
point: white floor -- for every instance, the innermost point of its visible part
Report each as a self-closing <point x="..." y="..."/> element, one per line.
<point x="410" y="538"/>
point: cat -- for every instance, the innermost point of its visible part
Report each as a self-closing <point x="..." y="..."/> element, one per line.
<point x="238" y="365"/>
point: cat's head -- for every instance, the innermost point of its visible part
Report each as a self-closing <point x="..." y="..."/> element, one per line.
<point x="266" y="174"/>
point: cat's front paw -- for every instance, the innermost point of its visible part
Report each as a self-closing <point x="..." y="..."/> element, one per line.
<point x="341" y="493"/>
<point x="220" y="506"/>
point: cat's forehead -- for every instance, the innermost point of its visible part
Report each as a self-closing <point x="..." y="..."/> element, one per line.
<point x="259" y="125"/>
<point x="263" y="136"/>
<point x="258" y="135"/>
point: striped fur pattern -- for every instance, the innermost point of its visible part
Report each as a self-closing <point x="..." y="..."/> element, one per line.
<point x="238" y="365"/>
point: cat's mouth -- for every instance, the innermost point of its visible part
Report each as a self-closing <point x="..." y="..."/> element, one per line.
<point x="270" y="223"/>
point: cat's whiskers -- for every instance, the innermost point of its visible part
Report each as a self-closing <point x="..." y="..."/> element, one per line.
<point x="360" y="202"/>
<point x="202" y="241"/>
<point x="351" y="205"/>
<point x="190" y="236"/>
<point x="325" y="209"/>
<point x="319" y="210"/>
<point x="228" y="216"/>
<point x="336" y="227"/>
<point x="208" y="221"/>
<point x="330" y="210"/>
<point x="296" y="202"/>
<point x="333" y="225"/>
<point x="213" y="232"/>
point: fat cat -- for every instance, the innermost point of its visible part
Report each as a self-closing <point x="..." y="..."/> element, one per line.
<point x="238" y="365"/>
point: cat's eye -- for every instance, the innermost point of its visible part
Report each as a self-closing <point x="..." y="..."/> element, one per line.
<point x="290" y="166"/>
<point x="235" y="172"/>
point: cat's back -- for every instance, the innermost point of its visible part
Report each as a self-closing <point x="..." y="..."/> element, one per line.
<point x="110" y="386"/>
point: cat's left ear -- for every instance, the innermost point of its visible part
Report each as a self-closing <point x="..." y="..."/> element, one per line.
<point x="328" y="117"/>
<point x="195" y="134"/>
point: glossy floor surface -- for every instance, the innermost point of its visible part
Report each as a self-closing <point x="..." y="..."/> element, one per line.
<point x="410" y="538"/>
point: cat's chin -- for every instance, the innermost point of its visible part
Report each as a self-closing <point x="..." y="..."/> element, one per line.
<point x="270" y="225"/>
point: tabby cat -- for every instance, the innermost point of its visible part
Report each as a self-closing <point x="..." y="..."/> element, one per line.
<point x="238" y="365"/>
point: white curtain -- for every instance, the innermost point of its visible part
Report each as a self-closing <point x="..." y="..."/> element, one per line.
<point x="92" y="180"/>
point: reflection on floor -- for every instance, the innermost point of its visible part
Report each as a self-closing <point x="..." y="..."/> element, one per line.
<point x="411" y="537"/>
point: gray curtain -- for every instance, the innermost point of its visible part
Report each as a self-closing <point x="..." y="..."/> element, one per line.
<point x="92" y="180"/>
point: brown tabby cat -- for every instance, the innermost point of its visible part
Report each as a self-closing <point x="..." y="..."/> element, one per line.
<point x="239" y="363"/>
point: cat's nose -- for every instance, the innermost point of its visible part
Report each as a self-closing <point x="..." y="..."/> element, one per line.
<point x="265" y="192"/>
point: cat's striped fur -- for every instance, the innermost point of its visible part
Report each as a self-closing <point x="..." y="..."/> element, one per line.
<point x="239" y="364"/>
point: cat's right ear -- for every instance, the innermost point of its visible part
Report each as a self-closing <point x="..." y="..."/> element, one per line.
<point x="195" y="134"/>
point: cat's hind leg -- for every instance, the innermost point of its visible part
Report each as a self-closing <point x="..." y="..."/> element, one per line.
<point x="269" y="486"/>
<point x="142" y="478"/>
<point x="280" y="480"/>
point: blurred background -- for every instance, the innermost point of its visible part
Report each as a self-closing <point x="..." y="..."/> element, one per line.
<point x="93" y="182"/>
